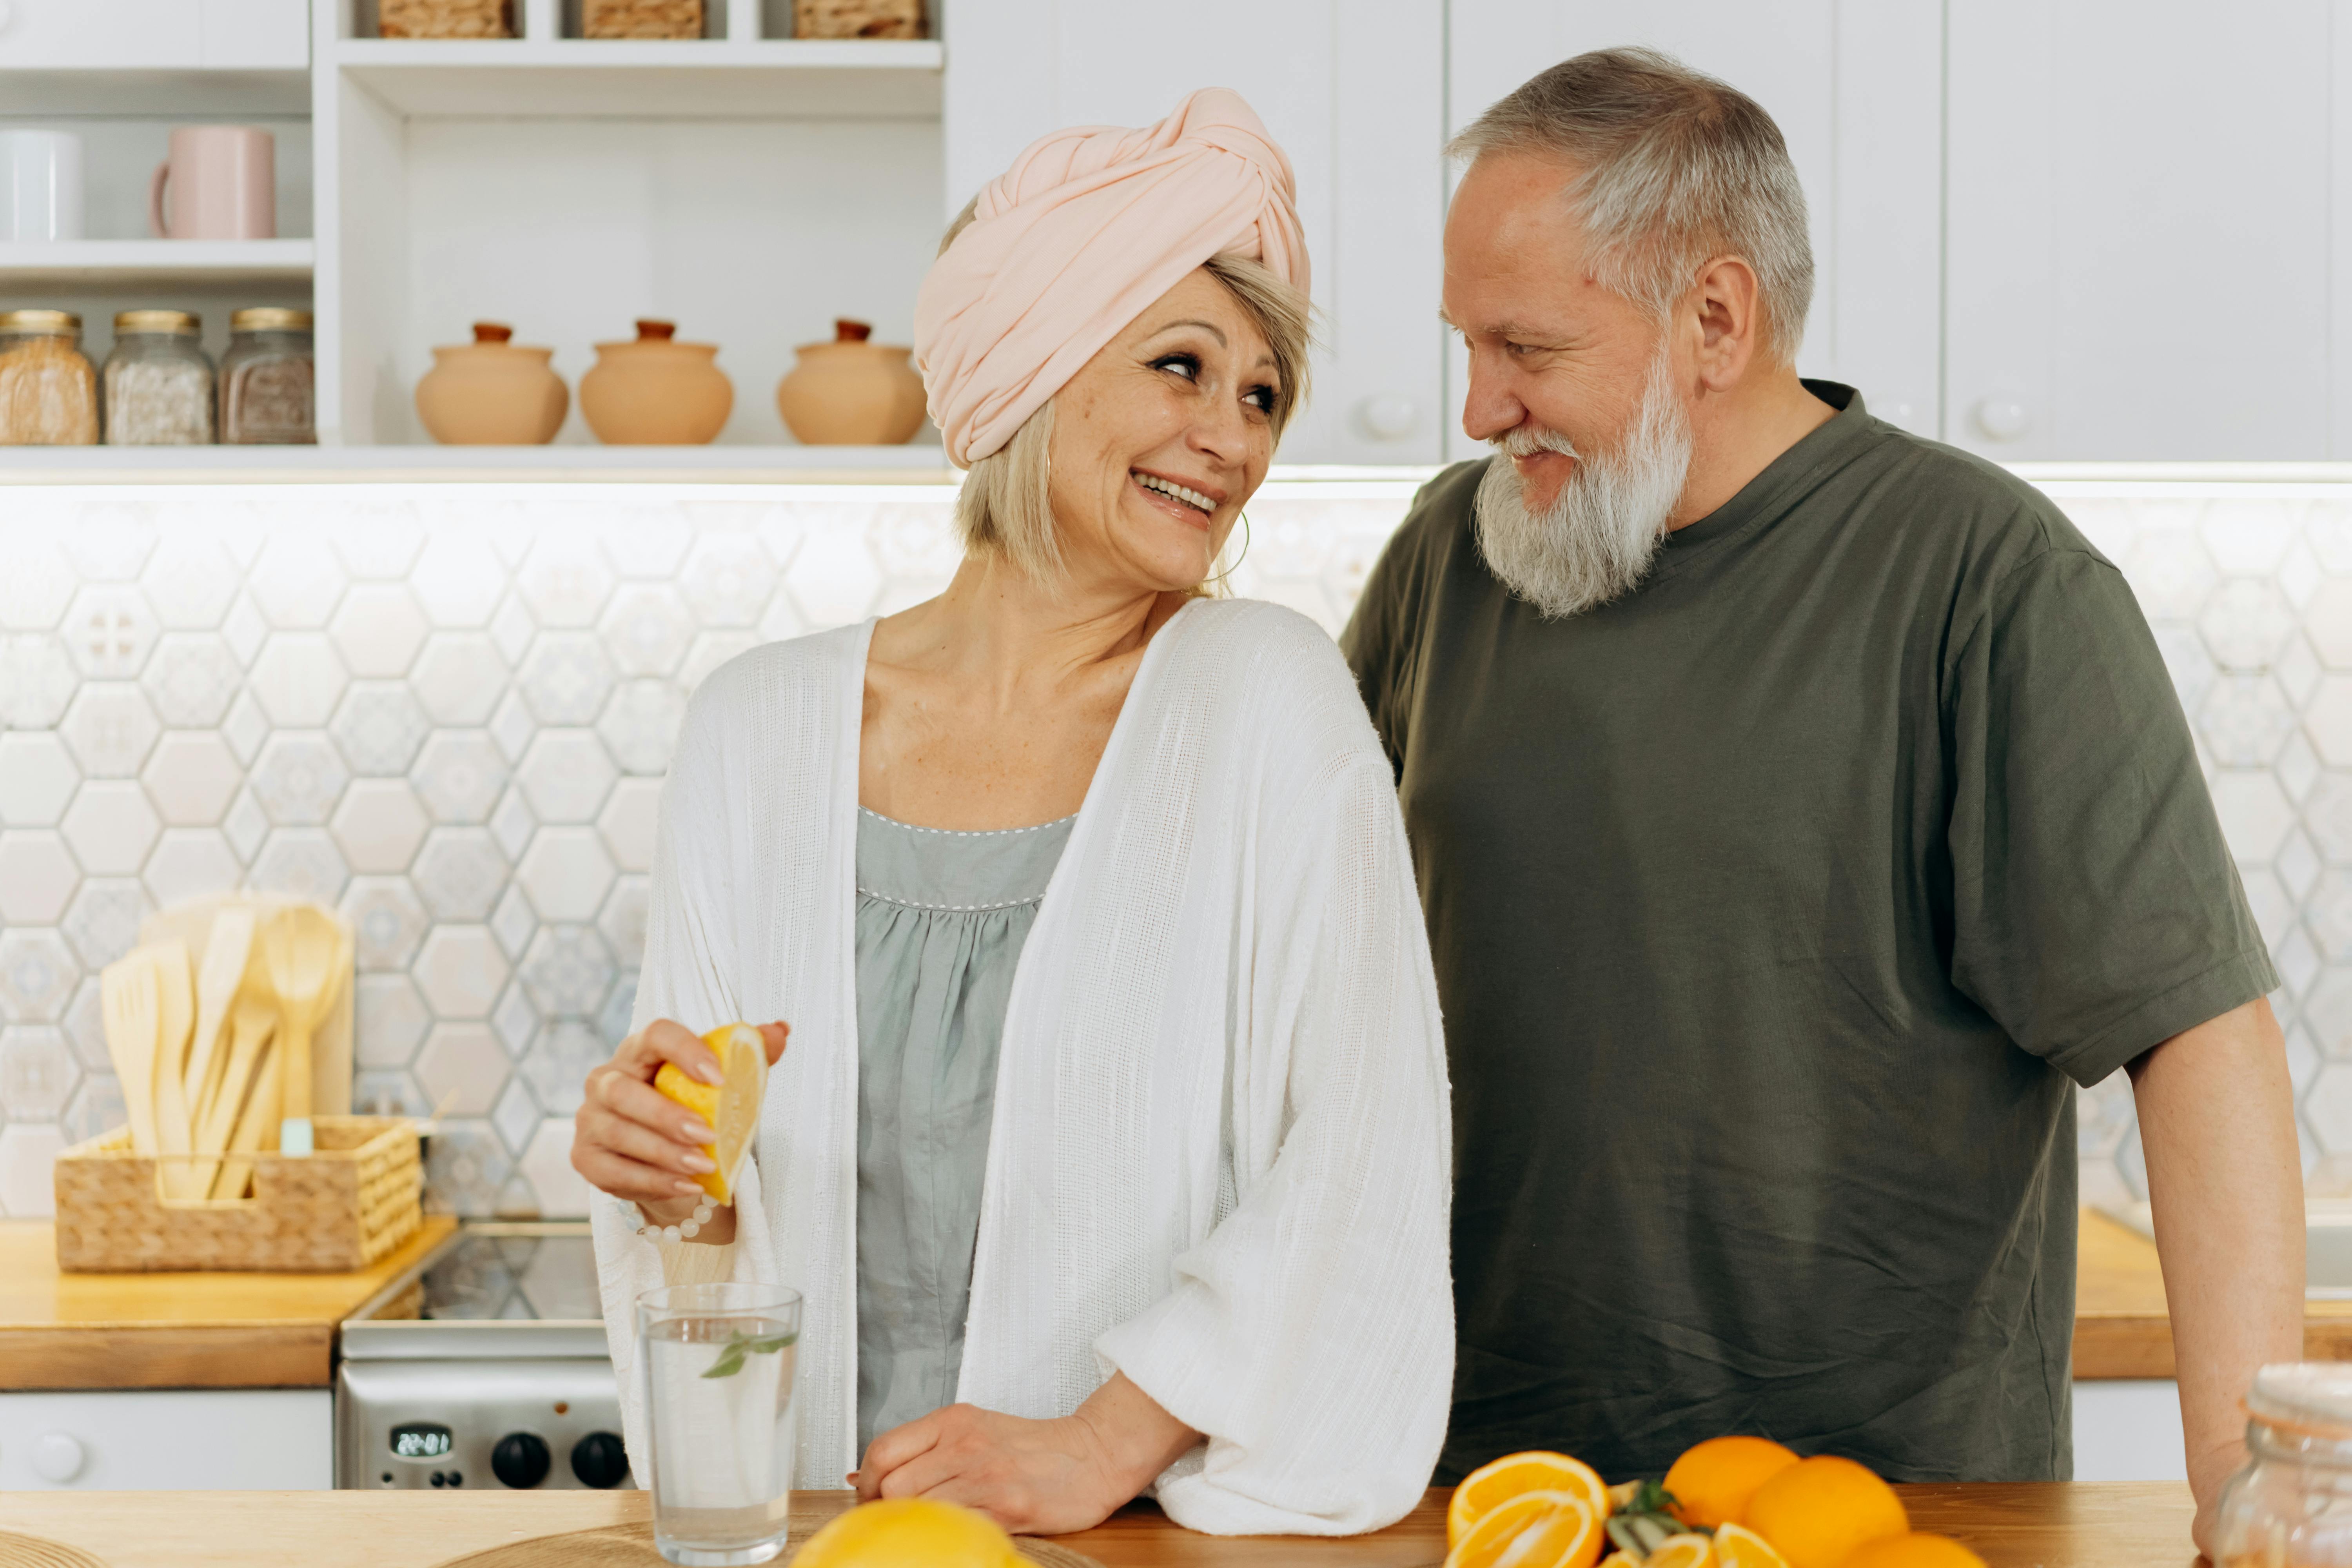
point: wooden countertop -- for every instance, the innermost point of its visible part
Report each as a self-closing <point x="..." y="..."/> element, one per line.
<point x="176" y="1331"/>
<point x="2035" y="1525"/>
<point x="2121" y="1326"/>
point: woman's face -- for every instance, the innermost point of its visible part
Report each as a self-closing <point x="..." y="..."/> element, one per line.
<point x="1159" y="440"/>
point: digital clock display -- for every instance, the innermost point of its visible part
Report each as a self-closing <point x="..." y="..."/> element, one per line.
<point x="420" y="1440"/>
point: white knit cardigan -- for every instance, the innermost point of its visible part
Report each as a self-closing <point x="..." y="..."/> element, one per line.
<point x="1220" y="1158"/>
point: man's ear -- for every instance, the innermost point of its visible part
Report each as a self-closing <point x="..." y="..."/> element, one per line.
<point x="1727" y="302"/>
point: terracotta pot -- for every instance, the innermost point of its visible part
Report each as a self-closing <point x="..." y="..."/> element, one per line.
<point x="491" y="393"/>
<point x="655" y="392"/>
<point x="851" y="393"/>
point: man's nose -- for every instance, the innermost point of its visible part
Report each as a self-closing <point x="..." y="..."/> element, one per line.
<point x="1492" y="408"/>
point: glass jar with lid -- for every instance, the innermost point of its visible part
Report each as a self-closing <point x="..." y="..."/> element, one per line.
<point x="2292" y="1506"/>
<point x="267" y="380"/>
<point x="49" y="394"/>
<point x="158" y="381"/>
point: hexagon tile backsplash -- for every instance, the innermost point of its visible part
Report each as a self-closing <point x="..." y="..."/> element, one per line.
<point x="448" y="708"/>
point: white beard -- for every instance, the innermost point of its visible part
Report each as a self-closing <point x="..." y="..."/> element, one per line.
<point x="1596" y="541"/>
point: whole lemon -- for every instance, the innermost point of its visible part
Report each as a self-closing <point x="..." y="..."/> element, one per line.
<point x="910" y="1532"/>
<point x="1819" y="1511"/>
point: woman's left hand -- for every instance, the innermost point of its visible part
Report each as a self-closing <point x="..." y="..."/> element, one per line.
<point x="1033" y="1477"/>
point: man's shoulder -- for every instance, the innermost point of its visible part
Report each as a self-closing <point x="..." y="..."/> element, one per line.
<point x="1441" y="509"/>
<point x="1944" y="495"/>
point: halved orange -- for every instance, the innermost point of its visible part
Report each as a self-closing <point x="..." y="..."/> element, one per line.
<point x="1917" y="1551"/>
<point x="732" y="1108"/>
<point x="1533" y="1530"/>
<point x="1681" y="1552"/>
<point x="1737" y="1546"/>
<point x="1490" y="1485"/>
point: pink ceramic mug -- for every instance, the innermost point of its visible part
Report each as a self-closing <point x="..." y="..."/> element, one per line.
<point x="224" y="184"/>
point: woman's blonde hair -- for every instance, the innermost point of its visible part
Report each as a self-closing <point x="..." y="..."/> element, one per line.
<point x="1006" y="503"/>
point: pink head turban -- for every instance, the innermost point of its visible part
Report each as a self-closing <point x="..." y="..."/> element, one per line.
<point x="1089" y="227"/>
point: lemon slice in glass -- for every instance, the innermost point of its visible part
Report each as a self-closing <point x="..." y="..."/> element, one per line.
<point x="732" y="1108"/>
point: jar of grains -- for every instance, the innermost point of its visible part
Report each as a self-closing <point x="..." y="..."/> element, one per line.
<point x="158" y="381"/>
<point x="266" y="379"/>
<point x="49" y="395"/>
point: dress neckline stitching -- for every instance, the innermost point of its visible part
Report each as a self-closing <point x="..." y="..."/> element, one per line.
<point x="964" y="833"/>
<point x="880" y="897"/>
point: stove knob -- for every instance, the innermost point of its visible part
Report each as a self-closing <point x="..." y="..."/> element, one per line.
<point x="599" y="1461"/>
<point x="521" y="1461"/>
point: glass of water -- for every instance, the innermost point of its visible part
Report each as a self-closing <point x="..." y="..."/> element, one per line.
<point x="715" y="1367"/>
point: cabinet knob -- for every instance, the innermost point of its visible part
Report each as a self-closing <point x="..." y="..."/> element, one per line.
<point x="1387" y="417"/>
<point x="56" y="1456"/>
<point x="2003" y="419"/>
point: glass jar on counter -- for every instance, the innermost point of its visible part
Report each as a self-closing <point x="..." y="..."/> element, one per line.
<point x="267" y="379"/>
<point x="158" y="381"/>
<point x="2291" y="1507"/>
<point x="49" y="394"/>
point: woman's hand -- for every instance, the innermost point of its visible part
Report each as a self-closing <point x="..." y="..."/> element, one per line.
<point x="630" y="1139"/>
<point x="1033" y="1477"/>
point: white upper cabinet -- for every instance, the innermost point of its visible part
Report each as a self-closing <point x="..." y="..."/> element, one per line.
<point x="155" y="35"/>
<point x="1855" y="90"/>
<point x="1351" y="88"/>
<point x="2138" y="230"/>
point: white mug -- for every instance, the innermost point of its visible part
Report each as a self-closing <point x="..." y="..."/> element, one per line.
<point x="40" y="184"/>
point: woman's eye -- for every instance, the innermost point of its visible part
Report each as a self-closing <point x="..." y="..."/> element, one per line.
<point x="1186" y="366"/>
<point x="1260" y="398"/>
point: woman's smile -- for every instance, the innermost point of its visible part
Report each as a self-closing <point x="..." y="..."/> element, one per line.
<point x="1195" y="505"/>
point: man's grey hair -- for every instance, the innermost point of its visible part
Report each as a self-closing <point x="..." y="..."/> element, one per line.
<point x="1672" y="168"/>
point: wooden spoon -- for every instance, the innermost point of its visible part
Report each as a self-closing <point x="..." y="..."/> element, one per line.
<point x="256" y="1128"/>
<point x="225" y="952"/>
<point x="301" y="943"/>
<point x="127" y="1005"/>
<point x="175" y="1013"/>
<point x="250" y="1025"/>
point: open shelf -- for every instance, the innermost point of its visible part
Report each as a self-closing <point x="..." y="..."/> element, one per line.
<point x="191" y="92"/>
<point x="738" y="464"/>
<point x="708" y="78"/>
<point x="105" y="263"/>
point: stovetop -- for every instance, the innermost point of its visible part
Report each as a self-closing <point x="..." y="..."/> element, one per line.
<point x="493" y="1289"/>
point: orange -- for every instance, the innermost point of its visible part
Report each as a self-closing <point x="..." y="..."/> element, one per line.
<point x="1533" y="1530"/>
<point x="1621" y="1560"/>
<point x="1713" y="1481"/>
<point x="1488" y="1486"/>
<point x="1735" y="1546"/>
<point x="911" y="1532"/>
<point x="1915" y="1550"/>
<point x="732" y="1108"/>
<point x="1819" y="1511"/>
<point x="1681" y="1552"/>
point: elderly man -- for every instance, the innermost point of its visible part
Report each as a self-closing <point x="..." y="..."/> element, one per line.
<point x="1801" y="809"/>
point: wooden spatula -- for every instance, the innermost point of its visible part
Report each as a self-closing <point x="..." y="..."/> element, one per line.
<point x="225" y="952"/>
<point x="127" y="1005"/>
<point x="250" y="1025"/>
<point x="300" y="943"/>
<point x="175" y="1013"/>
<point x="256" y="1128"/>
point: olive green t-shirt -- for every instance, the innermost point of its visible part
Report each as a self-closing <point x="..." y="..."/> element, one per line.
<point x="1777" y="908"/>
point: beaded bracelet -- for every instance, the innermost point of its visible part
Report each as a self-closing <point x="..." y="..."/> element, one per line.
<point x="701" y="1216"/>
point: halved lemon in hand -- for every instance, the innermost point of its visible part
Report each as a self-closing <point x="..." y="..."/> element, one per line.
<point x="1533" y="1530"/>
<point x="1490" y="1485"/>
<point x="732" y="1108"/>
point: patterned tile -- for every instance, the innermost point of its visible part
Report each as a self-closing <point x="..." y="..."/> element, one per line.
<point x="389" y="923"/>
<point x="378" y="630"/>
<point x="37" y="1072"/>
<point x="37" y="875"/>
<point x="648" y="629"/>
<point x="111" y="827"/>
<point x="380" y="824"/>
<point x="102" y="922"/>
<point x="297" y="582"/>
<point x="460" y="873"/>
<point x="191" y="776"/>
<point x="38" y="777"/>
<point x="389" y="1021"/>
<point x="565" y="776"/>
<point x="556" y="1067"/>
<point x="566" y="873"/>
<point x="298" y="677"/>
<point x="302" y="862"/>
<point x="547" y="1162"/>
<point x="640" y="725"/>
<point x="462" y="1068"/>
<point x="566" y="969"/>
<point x="188" y="862"/>
<point x="628" y="822"/>
<point x="380" y="726"/>
<point x="108" y="632"/>
<point x="516" y="1115"/>
<point x="191" y="582"/>
<point x="459" y="677"/>
<point x="460" y="775"/>
<point x="297" y="778"/>
<point x="464" y="1168"/>
<point x="37" y="974"/>
<point x="461" y="971"/>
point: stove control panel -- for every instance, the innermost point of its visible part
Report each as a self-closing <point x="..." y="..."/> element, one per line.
<point x="477" y="1425"/>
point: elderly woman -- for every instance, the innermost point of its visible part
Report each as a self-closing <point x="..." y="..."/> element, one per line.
<point x="1111" y="1148"/>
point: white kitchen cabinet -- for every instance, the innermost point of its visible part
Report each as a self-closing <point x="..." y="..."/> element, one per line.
<point x="1351" y="88"/>
<point x="1855" y="91"/>
<point x="245" y="1440"/>
<point x="2137" y="236"/>
<point x="155" y="35"/>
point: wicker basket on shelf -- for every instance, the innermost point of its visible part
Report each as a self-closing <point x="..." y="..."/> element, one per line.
<point x="858" y="20"/>
<point x="641" y="18"/>
<point x="445" y="18"/>
<point x="340" y="1208"/>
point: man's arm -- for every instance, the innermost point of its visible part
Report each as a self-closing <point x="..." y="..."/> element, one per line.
<point x="2225" y="1178"/>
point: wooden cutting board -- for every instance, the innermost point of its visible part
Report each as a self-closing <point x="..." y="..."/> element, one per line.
<point x="632" y="1546"/>
<point x="33" y="1551"/>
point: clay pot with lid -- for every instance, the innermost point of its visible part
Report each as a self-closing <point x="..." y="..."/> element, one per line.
<point x="491" y="393"/>
<point x="851" y="392"/>
<point x="656" y="390"/>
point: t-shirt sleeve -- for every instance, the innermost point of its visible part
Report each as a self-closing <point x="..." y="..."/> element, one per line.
<point x="1377" y="640"/>
<point x="2096" y="911"/>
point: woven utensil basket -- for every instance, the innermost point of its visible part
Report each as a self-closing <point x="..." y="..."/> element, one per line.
<point x="641" y="18"/>
<point x="445" y="19"/>
<point x="338" y="1209"/>
<point x="858" y="20"/>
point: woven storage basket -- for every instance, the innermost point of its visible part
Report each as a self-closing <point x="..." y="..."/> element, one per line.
<point x="858" y="19"/>
<point x="336" y="1210"/>
<point x="641" y="18"/>
<point x="445" y="18"/>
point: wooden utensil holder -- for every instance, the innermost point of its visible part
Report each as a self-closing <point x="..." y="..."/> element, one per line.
<point x="858" y="20"/>
<point x="336" y="1210"/>
<point x="641" y="18"/>
<point x="445" y="19"/>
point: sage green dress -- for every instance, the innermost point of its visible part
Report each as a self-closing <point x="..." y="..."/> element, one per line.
<point x="941" y="918"/>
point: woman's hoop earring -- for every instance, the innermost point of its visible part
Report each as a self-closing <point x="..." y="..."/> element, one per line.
<point x="1219" y="580"/>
